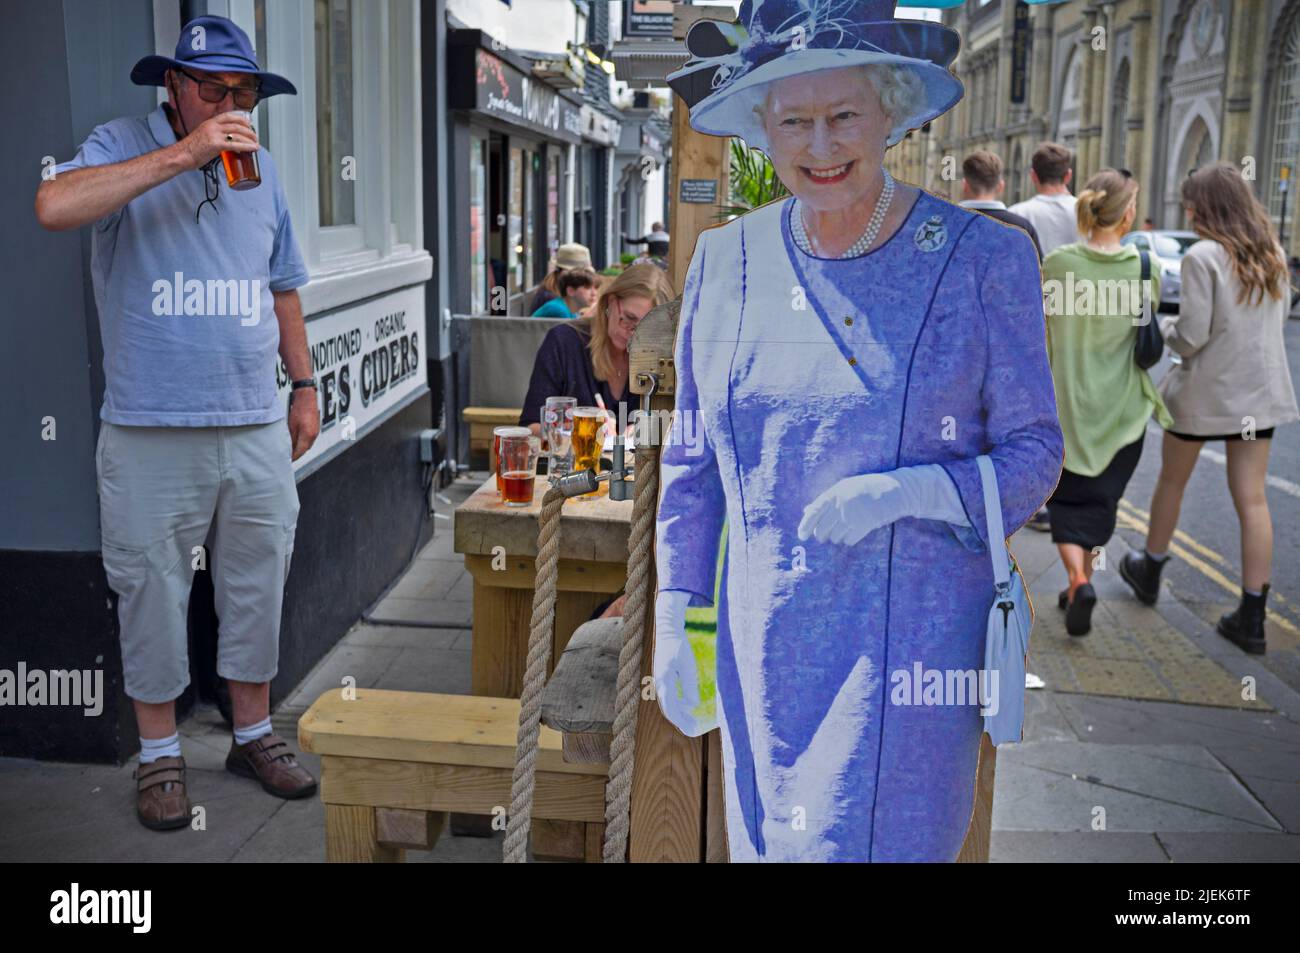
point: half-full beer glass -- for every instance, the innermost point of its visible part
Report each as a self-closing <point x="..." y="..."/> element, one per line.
<point x="588" y="441"/>
<point x="518" y="463"/>
<point x="497" y="434"/>
<point x="242" y="170"/>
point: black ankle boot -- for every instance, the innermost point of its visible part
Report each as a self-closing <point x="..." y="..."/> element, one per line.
<point x="1245" y="625"/>
<point x="1142" y="573"/>
<point x="1078" y="611"/>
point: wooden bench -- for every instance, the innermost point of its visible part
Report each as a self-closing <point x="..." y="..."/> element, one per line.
<point x="482" y="421"/>
<point x="393" y="764"/>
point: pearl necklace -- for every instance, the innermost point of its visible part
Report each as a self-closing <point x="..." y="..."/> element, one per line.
<point x="865" y="240"/>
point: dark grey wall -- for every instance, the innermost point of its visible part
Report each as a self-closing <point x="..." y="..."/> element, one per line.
<point x="65" y="68"/>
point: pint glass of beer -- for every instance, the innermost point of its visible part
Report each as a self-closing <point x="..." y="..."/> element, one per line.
<point x="518" y="468"/>
<point x="588" y="440"/>
<point x="497" y="434"/>
<point x="242" y="170"/>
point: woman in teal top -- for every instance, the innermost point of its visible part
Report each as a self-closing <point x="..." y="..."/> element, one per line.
<point x="577" y="288"/>
<point x="1092" y="293"/>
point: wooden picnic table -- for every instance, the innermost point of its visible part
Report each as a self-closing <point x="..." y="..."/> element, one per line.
<point x="499" y="544"/>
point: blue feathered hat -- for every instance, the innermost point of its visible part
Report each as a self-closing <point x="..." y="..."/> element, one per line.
<point x="731" y="63"/>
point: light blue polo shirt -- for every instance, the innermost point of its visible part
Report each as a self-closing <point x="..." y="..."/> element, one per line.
<point x="186" y="313"/>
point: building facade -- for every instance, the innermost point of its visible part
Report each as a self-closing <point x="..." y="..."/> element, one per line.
<point x="1158" y="87"/>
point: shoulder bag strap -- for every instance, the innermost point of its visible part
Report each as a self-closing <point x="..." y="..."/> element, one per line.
<point x="993" y="516"/>
<point x="1146" y="277"/>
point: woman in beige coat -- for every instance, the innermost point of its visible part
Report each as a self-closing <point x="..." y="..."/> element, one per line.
<point x="1233" y="384"/>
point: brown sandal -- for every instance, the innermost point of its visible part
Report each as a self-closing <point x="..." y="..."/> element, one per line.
<point x="161" y="802"/>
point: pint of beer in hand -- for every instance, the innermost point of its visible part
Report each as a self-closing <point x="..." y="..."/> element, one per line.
<point x="242" y="170"/>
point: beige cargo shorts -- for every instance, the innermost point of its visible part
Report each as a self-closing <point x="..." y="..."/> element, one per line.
<point x="160" y="491"/>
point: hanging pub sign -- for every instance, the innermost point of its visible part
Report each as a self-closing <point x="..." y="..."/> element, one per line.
<point x="651" y="18"/>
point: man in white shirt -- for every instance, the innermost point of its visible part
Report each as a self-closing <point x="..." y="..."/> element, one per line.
<point x="1051" y="211"/>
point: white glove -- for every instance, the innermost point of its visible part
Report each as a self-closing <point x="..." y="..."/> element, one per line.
<point x="857" y="505"/>
<point x="676" y="680"/>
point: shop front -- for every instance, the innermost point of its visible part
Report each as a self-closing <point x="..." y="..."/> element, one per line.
<point x="639" y="162"/>
<point x="595" y="173"/>
<point x="510" y="164"/>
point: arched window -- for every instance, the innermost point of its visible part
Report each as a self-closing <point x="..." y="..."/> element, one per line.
<point x="1286" y="118"/>
<point x="1119" y="117"/>
<point x="1197" y="150"/>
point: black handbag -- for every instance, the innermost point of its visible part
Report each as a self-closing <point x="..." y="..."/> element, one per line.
<point x="1150" y="344"/>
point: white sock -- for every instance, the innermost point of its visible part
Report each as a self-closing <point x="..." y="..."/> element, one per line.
<point x="244" y="735"/>
<point x="1252" y="592"/>
<point x="1157" y="557"/>
<point x="151" y="749"/>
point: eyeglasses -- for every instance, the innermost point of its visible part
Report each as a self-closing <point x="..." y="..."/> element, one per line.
<point x="211" y="91"/>
<point x="211" y="187"/>
<point x="629" y="321"/>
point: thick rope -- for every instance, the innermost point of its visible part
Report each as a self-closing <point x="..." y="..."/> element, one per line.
<point x="520" y="818"/>
<point x="618" y="790"/>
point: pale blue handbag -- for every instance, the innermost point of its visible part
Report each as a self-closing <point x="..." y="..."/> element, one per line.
<point x="1010" y="620"/>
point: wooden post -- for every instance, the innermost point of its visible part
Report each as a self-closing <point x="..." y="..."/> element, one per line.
<point x="694" y="156"/>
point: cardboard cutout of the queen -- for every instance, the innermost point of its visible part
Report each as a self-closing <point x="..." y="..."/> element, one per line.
<point x="843" y="357"/>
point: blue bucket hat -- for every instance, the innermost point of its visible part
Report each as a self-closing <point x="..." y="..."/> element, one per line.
<point x="215" y="45"/>
<point x="730" y="65"/>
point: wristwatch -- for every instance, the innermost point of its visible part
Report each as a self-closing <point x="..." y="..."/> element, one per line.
<point x="304" y="382"/>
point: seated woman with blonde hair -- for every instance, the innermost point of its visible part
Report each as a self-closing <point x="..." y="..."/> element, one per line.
<point x="587" y="357"/>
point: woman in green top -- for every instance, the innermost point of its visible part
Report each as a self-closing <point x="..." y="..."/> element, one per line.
<point x="577" y="288"/>
<point x="1093" y="296"/>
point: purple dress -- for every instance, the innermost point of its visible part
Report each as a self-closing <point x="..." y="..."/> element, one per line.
<point x="794" y="372"/>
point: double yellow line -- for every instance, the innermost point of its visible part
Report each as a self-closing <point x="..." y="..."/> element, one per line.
<point x="1205" y="561"/>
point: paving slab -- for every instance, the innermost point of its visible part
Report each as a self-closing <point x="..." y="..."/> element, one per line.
<point x="1231" y="848"/>
<point x="1060" y="785"/>
<point x="1075" y="847"/>
<point x="408" y="637"/>
<point x="442" y="671"/>
<point x="434" y="613"/>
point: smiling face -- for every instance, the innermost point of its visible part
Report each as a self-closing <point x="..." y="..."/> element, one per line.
<point x="827" y="132"/>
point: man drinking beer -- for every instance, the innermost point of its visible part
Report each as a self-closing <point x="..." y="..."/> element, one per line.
<point x="193" y="435"/>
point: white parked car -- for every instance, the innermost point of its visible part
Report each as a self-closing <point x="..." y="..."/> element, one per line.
<point x="1169" y="247"/>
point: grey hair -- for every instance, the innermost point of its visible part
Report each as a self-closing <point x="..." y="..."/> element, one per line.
<point x="899" y="89"/>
